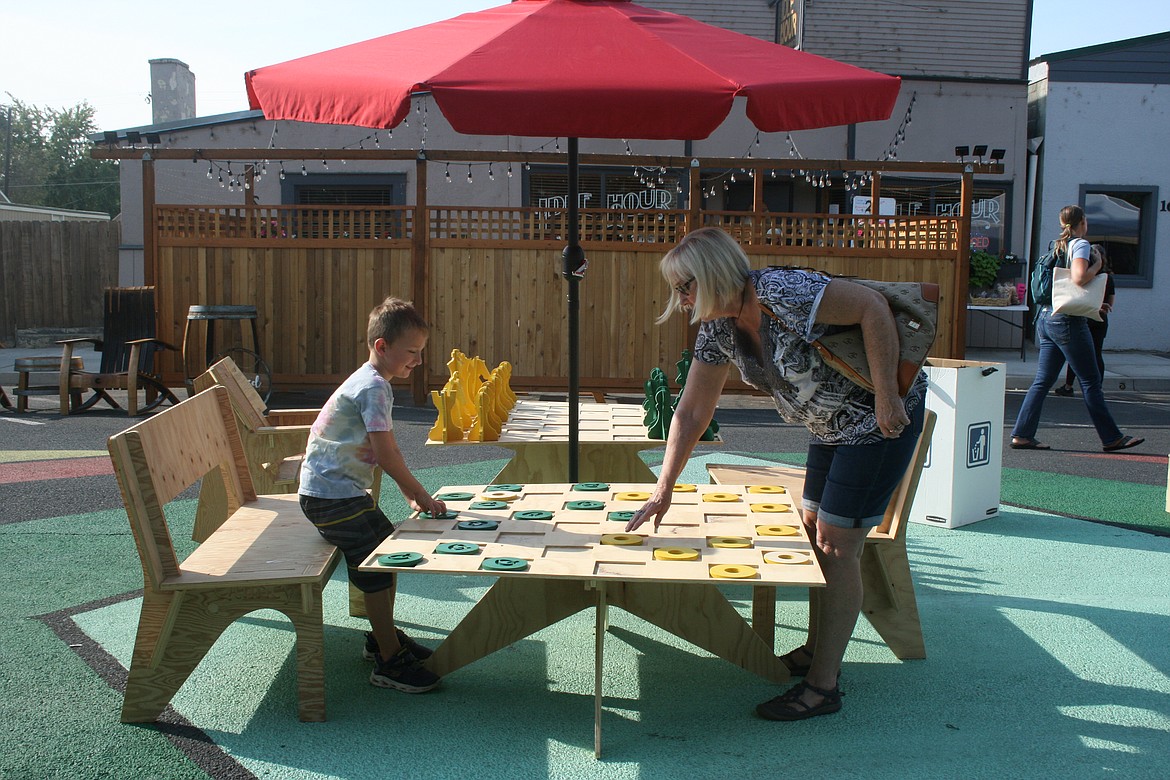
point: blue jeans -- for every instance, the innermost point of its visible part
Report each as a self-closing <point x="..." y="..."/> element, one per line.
<point x="1062" y="338"/>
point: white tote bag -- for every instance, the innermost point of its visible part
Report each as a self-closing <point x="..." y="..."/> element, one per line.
<point x="1070" y="298"/>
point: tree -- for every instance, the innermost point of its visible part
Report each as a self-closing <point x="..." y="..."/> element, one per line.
<point x="47" y="161"/>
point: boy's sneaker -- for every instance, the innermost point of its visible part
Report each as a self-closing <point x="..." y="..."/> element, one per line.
<point x="403" y="672"/>
<point x="421" y="652"/>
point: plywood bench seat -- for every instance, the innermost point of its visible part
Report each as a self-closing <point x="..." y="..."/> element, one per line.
<point x="268" y="542"/>
<point x="889" y="602"/>
<point x="257" y="553"/>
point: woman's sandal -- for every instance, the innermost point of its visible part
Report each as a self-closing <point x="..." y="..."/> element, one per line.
<point x="1124" y="443"/>
<point x="1019" y="443"/>
<point x="797" y="667"/>
<point x="789" y="706"/>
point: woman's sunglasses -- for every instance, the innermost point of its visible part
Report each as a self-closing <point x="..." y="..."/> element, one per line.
<point x="685" y="287"/>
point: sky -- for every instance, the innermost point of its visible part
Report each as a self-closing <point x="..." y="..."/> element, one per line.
<point x="57" y="53"/>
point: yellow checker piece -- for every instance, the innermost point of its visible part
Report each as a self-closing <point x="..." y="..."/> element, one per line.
<point x="676" y="554"/>
<point x="721" y="497"/>
<point x="632" y="495"/>
<point x="762" y="489"/>
<point x="770" y="507"/>
<point x="734" y="542"/>
<point x="733" y="571"/>
<point x="681" y="487"/>
<point x="622" y="540"/>
<point x="777" y="530"/>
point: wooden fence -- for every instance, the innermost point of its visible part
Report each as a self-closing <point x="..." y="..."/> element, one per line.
<point x="52" y="274"/>
<point x="489" y="279"/>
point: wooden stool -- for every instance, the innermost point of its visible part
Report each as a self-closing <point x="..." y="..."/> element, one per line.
<point x="41" y="365"/>
<point x="209" y="315"/>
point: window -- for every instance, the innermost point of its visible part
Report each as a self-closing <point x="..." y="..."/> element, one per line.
<point x="989" y="209"/>
<point x="325" y="189"/>
<point x="625" y="189"/>
<point x="1122" y="219"/>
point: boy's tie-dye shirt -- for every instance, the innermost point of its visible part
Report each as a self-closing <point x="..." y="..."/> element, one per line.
<point x="339" y="462"/>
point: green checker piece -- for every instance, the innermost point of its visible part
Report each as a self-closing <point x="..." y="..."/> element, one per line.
<point x="591" y="486"/>
<point x="489" y="505"/>
<point x="457" y="548"/>
<point x="507" y="488"/>
<point x="448" y="515"/>
<point x="623" y="516"/>
<point x="455" y="496"/>
<point x="505" y="564"/>
<point x="478" y="525"/>
<point x="400" y="559"/>
<point x="585" y="505"/>
<point x="533" y="514"/>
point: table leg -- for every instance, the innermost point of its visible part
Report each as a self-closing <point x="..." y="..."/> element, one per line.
<point x="548" y="462"/>
<point x="512" y="609"/>
<point x="598" y="665"/>
<point x="701" y="615"/>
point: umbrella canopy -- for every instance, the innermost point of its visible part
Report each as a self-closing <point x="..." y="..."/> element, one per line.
<point x="573" y="68"/>
<point x="578" y="69"/>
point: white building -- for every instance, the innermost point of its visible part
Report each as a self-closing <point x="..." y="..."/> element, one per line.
<point x="1098" y="117"/>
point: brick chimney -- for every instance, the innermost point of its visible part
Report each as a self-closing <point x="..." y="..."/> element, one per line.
<point x="172" y="90"/>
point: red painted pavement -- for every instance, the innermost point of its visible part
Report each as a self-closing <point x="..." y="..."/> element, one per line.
<point x="34" y="471"/>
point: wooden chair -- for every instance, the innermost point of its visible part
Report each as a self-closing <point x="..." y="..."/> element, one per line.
<point x="264" y="555"/>
<point x="889" y="602"/>
<point x="4" y="399"/>
<point x="128" y="346"/>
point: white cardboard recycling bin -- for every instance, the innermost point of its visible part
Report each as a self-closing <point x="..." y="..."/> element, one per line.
<point x="961" y="480"/>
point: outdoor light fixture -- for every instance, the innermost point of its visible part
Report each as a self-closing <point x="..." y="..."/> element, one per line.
<point x="962" y="151"/>
<point x="979" y="151"/>
<point x="997" y="154"/>
<point x="133" y="136"/>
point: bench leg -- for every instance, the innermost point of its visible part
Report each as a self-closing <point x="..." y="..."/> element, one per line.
<point x="176" y="631"/>
<point x="889" y="603"/>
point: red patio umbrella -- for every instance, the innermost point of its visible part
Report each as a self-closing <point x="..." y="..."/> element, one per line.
<point x="577" y="69"/>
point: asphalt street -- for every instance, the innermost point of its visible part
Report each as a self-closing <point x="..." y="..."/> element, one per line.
<point x="748" y="426"/>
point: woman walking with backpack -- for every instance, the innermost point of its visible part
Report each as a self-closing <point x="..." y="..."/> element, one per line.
<point x="1062" y="337"/>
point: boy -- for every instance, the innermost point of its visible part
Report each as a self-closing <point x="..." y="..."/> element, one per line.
<point x="352" y="436"/>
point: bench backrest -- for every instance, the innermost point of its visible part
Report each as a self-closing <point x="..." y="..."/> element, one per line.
<point x="159" y="458"/>
<point x="247" y="402"/>
<point x="893" y="525"/>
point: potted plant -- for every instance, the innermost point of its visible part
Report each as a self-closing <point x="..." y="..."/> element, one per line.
<point x="984" y="269"/>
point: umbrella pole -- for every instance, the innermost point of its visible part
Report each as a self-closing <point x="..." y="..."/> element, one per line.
<point x="573" y="269"/>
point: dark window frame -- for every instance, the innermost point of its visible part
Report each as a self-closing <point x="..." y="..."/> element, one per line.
<point x="294" y="181"/>
<point x="1147" y="230"/>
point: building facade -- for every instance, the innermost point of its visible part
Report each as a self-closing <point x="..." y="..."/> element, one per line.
<point x="1098" y="124"/>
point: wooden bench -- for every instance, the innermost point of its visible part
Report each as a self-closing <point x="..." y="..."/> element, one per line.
<point x="263" y="555"/>
<point x="889" y="602"/>
<point x="274" y="445"/>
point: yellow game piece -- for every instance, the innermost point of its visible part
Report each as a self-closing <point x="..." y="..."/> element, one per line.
<point x="681" y="487"/>
<point x="734" y="542"/>
<point x="787" y="556"/>
<point x="777" y="530"/>
<point x="720" y="497"/>
<point x="733" y="571"/>
<point x="770" y="507"/>
<point x="499" y="495"/>
<point x="676" y="554"/>
<point x="631" y="496"/>
<point x="622" y="540"/>
<point x="445" y="428"/>
<point x="766" y="489"/>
